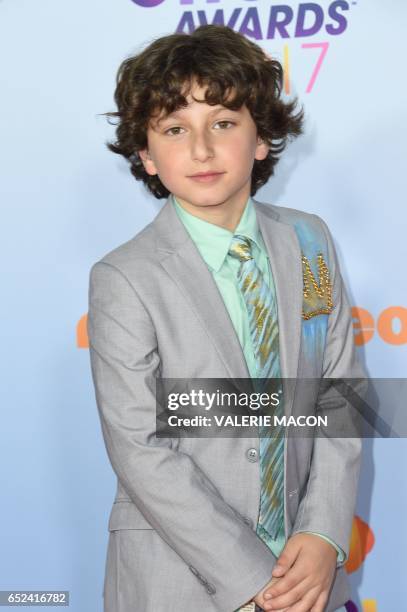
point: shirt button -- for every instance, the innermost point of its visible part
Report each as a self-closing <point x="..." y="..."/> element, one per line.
<point x="252" y="454"/>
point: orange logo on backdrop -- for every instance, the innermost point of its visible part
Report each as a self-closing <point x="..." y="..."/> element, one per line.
<point x="361" y="543"/>
<point x="391" y="325"/>
<point x="364" y="326"/>
<point x="82" y="340"/>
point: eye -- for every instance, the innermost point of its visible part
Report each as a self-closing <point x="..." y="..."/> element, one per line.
<point x="220" y="122"/>
<point x="173" y="128"/>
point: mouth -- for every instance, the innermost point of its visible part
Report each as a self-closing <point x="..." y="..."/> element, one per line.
<point x="205" y="173"/>
<point x="206" y="176"/>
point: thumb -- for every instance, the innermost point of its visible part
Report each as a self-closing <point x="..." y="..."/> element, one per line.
<point x="286" y="559"/>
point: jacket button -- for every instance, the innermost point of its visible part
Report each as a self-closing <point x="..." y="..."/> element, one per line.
<point x="210" y="589"/>
<point x="252" y="454"/>
<point x="248" y="521"/>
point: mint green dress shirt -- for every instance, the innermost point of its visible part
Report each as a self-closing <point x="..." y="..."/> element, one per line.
<point x="213" y="244"/>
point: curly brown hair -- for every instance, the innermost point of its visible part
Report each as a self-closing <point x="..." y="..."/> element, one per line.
<point x="160" y="77"/>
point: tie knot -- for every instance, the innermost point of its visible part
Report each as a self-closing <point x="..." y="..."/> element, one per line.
<point x="241" y="248"/>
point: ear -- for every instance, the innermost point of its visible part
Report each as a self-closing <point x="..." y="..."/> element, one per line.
<point x="262" y="149"/>
<point x="148" y="163"/>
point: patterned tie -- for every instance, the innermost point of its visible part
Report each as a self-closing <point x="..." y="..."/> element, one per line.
<point x="262" y="313"/>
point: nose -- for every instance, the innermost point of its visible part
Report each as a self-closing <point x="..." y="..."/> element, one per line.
<point x="201" y="146"/>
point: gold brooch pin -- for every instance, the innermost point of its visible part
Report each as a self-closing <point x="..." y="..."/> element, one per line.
<point x="317" y="294"/>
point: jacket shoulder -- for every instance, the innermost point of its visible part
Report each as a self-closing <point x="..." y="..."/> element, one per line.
<point x="134" y="252"/>
<point x="311" y="229"/>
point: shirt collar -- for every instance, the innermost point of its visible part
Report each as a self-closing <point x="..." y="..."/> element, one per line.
<point x="213" y="241"/>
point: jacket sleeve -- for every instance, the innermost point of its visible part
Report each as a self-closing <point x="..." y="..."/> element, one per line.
<point x="168" y="487"/>
<point x="328" y="504"/>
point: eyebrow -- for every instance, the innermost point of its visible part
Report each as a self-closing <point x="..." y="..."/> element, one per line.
<point x="176" y="114"/>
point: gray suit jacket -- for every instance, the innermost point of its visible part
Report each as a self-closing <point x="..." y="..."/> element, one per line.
<point x="182" y="526"/>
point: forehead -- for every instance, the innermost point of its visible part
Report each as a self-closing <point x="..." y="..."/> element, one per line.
<point x="210" y="111"/>
<point x="194" y="95"/>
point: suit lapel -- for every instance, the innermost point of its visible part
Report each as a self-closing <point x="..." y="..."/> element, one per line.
<point x="182" y="261"/>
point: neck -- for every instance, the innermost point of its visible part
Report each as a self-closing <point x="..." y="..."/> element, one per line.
<point x="226" y="214"/>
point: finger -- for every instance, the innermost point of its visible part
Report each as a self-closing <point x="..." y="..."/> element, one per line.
<point x="319" y="605"/>
<point x="279" y="570"/>
<point x="290" y="580"/>
<point x="288" y="598"/>
<point x="306" y="603"/>
<point x="286" y="559"/>
<point x="280" y="609"/>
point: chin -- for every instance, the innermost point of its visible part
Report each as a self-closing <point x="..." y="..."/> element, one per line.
<point x="205" y="200"/>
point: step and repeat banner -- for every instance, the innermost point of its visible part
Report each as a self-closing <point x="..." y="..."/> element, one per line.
<point x="66" y="201"/>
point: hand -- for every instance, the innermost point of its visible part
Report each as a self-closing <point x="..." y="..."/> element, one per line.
<point x="306" y="568"/>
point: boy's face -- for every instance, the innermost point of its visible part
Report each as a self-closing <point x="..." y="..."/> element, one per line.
<point x="202" y="138"/>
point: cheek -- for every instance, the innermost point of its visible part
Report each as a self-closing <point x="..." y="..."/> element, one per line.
<point x="242" y="155"/>
<point x="242" y="146"/>
<point x="167" y="159"/>
<point x="170" y="163"/>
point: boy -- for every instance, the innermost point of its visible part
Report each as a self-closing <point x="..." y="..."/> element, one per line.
<point x="198" y="524"/>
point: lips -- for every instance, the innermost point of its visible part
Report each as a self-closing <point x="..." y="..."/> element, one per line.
<point x="205" y="174"/>
<point x="206" y="177"/>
